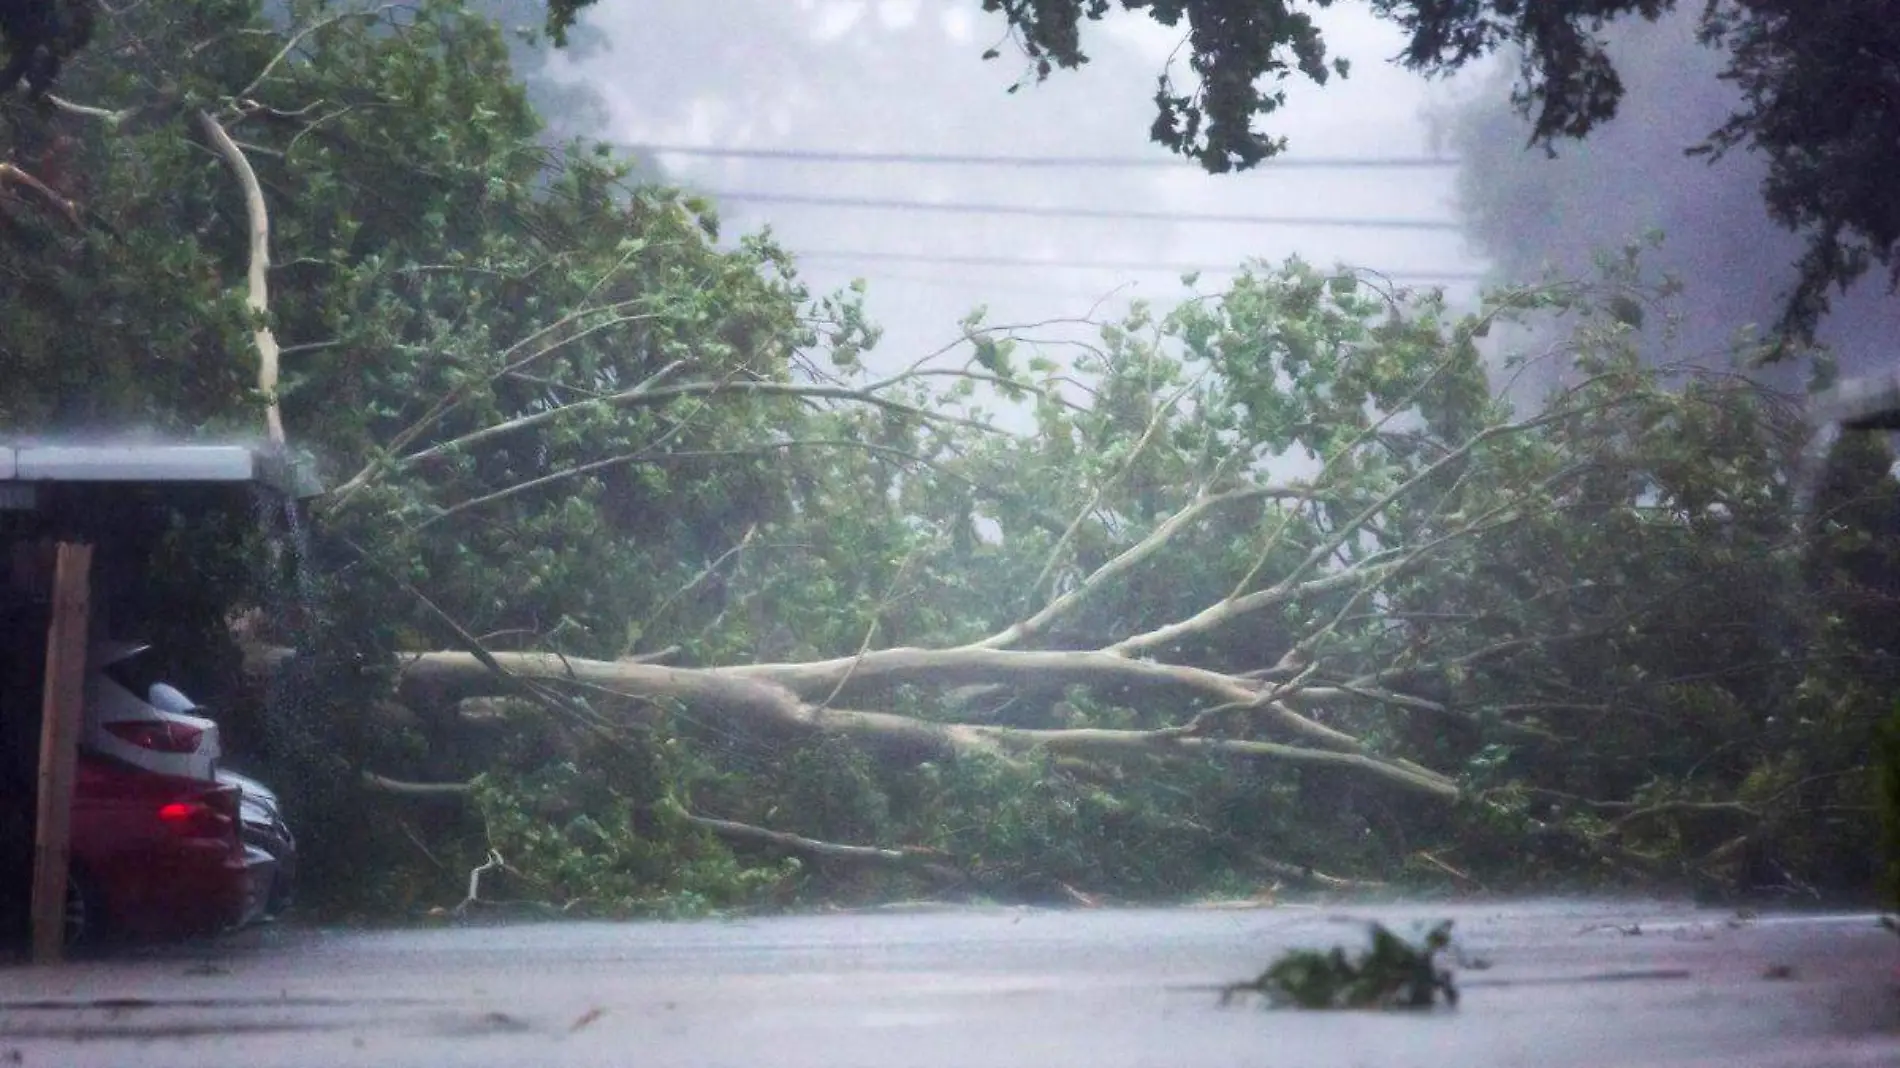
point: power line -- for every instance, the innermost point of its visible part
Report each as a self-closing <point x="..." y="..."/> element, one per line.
<point x="927" y="159"/>
<point x="968" y="283"/>
<point x="1149" y="266"/>
<point x="873" y="204"/>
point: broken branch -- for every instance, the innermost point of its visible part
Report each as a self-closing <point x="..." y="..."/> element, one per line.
<point x="257" y="295"/>
<point x="921" y="859"/>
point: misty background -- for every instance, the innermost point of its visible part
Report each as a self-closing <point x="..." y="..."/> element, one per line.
<point x="1525" y="211"/>
<point x="1432" y="183"/>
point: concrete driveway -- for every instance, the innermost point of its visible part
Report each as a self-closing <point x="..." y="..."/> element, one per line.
<point x="1569" y="984"/>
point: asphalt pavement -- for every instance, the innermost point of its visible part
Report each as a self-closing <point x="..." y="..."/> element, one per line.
<point x="1567" y="984"/>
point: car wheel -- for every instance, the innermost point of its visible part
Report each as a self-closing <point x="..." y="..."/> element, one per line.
<point x="278" y="901"/>
<point x="83" y="921"/>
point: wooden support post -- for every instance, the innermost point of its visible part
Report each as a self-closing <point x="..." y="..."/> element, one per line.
<point x="61" y="715"/>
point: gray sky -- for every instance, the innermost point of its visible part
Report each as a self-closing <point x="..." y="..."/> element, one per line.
<point x="904" y="76"/>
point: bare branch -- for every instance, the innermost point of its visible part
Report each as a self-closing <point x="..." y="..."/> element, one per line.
<point x="340" y="497"/>
<point x="692" y="584"/>
<point x="1669" y="808"/>
<point x="1006" y="330"/>
<point x="648" y="456"/>
<point x="1155" y="422"/>
<point x="1128" y="559"/>
<point x="1292" y="585"/>
<point x="644" y="394"/>
<point x="1113" y="744"/>
<point x="775" y="692"/>
<point x="1373" y="567"/>
<point x="870" y="629"/>
<point x="297" y="39"/>
<point x="382" y="784"/>
<point x="1301" y="873"/>
<point x="1409" y="702"/>
<point x="925" y="860"/>
<point x="510" y="364"/>
<point x="109" y="117"/>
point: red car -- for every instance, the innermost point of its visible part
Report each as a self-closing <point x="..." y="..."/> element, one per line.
<point x="153" y="856"/>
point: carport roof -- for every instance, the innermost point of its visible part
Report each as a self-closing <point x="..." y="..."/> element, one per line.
<point x="150" y="463"/>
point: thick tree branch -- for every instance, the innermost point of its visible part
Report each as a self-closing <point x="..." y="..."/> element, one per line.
<point x="106" y="115"/>
<point x="257" y="295"/>
<point x="764" y="696"/>
<point x="975" y="666"/>
<point x="12" y="175"/>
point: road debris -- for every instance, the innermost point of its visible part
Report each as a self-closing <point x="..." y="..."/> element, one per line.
<point x="1393" y="974"/>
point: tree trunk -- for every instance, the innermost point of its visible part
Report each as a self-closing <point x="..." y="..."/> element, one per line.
<point x="775" y="696"/>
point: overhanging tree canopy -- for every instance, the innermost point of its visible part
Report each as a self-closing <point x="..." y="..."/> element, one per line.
<point x="1820" y="81"/>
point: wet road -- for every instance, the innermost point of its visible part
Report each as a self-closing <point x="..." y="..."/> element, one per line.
<point x="1570" y="985"/>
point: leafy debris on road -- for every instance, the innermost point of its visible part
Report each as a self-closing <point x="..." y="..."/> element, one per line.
<point x="1393" y="974"/>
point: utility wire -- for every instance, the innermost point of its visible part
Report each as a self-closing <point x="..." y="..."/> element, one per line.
<point x="873" y="204"/>
<point x="925" y="159"/>
<point x="1151" y="266"/>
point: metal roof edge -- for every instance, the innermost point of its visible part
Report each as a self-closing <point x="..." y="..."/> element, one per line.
<point x="287" y="472"/>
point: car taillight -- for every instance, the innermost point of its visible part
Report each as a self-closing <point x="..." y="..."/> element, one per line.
<point x="160" y="736"/>
<point x="212" y="816"/>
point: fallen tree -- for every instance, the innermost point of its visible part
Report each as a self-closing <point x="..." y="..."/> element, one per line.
<point x="779" y="696"/>
<point x="773" y="696"/>
<point x="1448" y="581"/>
<point x="1279" y="573"/>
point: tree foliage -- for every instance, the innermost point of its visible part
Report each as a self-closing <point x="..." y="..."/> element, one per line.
<point x="1818" y="80"/>
<point x="626" y="546"/>
<point x="1821" y="91"/>
<point x="1819" y="83"/>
